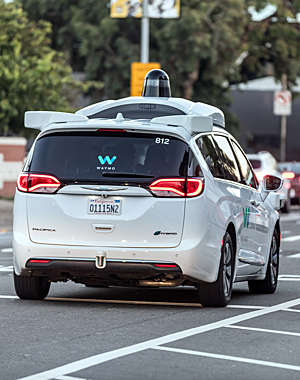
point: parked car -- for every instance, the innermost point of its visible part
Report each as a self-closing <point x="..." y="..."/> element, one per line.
<point x="147" y="191"/>
<point x="291" y="172"/>
<point x="265" y="163"/>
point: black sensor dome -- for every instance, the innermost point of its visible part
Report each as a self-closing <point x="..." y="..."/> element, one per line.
<point x="157" y="84"/>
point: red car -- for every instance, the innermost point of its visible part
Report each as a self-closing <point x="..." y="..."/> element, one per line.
<point x="291" y="171"/>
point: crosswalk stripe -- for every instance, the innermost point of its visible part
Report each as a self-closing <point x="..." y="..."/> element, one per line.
<point x="6" y="269"/>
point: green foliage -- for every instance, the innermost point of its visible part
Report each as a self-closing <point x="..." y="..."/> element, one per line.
<point x="32" y="75"/>
<point x="199" y="51"/>
<point x="274" y="42"/>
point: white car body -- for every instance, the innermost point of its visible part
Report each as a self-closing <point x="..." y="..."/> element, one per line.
<point x="181" y="231"/>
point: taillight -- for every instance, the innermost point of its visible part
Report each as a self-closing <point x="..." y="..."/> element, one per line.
<point x="288" y="175"/>
<point x="37" y="183"/>
<point x="177" y="187"/>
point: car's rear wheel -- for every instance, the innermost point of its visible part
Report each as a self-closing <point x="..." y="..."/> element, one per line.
<point x="219" y="292"/>
<point x="269" y="284"/>
<point x="31" y="288"/>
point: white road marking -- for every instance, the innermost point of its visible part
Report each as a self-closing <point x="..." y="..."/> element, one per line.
<point x="263" y="330"/>
<point x="121" y="352"/>
<point x="294" y="256"/>
<point x="228" y="357"/>
<point x="6" y="250"/>
<point x="245" y="307"/>
<point x="291" y="238"/>
<point x="6" y="269"/>
<point x="68" y="378"/>
<point x="293" y="310"/>
<point x="288" y="277"/>
<point x="9" y="297"/>
<point x="257" y="308"/>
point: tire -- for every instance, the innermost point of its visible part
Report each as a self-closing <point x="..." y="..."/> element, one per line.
<point x="31" y="288"/>
<point x="219" y="292"/>
<point x="269" y="284"/>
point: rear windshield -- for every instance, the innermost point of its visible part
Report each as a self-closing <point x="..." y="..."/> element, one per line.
<point x="256" y="164"/>
<point x="109" y="156"/>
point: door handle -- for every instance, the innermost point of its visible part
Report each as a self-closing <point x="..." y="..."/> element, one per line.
<point x="255" y="204"/>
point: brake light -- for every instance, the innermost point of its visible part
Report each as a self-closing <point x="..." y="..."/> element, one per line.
<point x="169" y="187"/>
<point x="38" y="261"/>
<point x="111" y="130"/>
<point x="37" y="183"/>
<point x="177" y="187"/>
<point x="288" y="175"/>
<point x="165" y="265"/>
<point x="194" y="187"/>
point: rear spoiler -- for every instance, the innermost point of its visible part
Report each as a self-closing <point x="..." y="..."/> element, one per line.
<point x="194" y="124"/>
<point x="41" y="119"/>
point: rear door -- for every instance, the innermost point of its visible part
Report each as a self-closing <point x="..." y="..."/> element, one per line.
<point x="105" y="198"/>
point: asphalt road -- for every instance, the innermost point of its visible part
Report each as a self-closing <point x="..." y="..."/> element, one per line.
<point x="119" y="333"/>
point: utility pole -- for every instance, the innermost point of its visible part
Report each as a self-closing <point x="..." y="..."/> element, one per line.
<point x="145" y="32"/>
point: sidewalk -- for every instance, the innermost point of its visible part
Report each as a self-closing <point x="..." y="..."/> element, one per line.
<point x="6" y="208"/>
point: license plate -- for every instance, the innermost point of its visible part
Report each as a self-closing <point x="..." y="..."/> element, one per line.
<point x="100" y="206"/>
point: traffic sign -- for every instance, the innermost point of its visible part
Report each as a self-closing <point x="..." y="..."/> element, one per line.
<point x="138" y="73"/>
<point x="155" y="9"/>
<point x="282" y="103"/>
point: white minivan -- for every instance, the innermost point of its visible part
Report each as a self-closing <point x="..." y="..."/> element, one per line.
<point x="147" y="191"/>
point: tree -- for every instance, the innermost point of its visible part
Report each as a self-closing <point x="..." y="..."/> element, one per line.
<point x="32" y="75"/>
<point x="274" y="42"/>
<point x="200" y="51"/>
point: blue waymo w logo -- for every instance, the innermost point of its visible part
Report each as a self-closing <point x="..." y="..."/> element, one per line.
<point x="107" y="159"/>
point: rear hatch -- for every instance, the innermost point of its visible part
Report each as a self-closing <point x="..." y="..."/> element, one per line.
<point x="104" y="198"/>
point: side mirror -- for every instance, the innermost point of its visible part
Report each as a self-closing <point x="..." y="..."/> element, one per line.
<point x="270" y="183"/>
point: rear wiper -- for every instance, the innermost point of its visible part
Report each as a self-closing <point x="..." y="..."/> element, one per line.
<point x="127" y="175"/>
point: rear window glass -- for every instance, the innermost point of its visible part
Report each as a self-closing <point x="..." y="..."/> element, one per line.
<point x="256" y="164"/>
<point x="138" y="111"/>
<point x="110" y="156"/>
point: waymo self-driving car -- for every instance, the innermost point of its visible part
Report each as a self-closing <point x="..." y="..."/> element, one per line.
<point x="147" y="191"/>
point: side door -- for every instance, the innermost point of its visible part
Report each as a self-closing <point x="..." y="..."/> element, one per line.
<point x="229" y="193"/>
<point x="258" y="214"/>
<point x="241" y="211"/>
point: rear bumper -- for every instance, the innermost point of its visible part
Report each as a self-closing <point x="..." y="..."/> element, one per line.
<point x="88" y="270"/>
<point x="197" y="259"/>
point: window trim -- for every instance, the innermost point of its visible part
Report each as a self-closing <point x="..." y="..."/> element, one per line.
<point x="233" y="141"/>
<point x="236" y="161"/>
<point x="230" y="139"/>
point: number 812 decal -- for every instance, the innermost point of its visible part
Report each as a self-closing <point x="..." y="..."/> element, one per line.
<point x="160" y="140"/>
